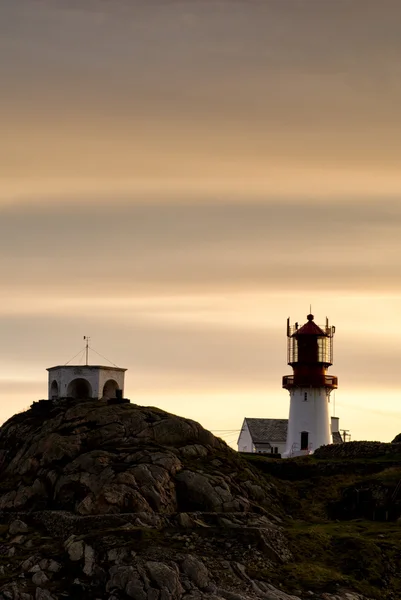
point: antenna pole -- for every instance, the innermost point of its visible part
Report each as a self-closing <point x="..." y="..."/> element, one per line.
<point x="87" y="349"/>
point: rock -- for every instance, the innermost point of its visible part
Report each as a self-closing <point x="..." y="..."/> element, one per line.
<point x="92" y="458"/>
<point x="35" y="569"/>
<point x="28" y="494"/>
<point x="117" y="555"/>
<point x="164" y="577"/>
<point x="195" y="450"/>
<point x="359" y="449"/>
<point x="89" y="556"/>
<point x="39" y="578"/>
<point x="196" y="490"/>
<point x="17" y="526"/>
<point x="54" y="566"/>
<point x="29" y="563"/>
<point x="228" y="595"/>
<point x="42" y="594"/>
<point x="151" y="507"/>
<point x="184" y="520"/>
<point x="196" y="571"/>
<point x="134" y="589"/>
<point x="76" y="551"/>
<point x="18" y="539"/>
<point x="120" y="576"/>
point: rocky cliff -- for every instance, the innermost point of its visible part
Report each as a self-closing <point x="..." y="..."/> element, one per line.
<point x="117" y="501"/>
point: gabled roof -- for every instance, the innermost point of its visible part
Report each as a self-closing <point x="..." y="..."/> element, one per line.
<point x="267" y="430"/>
<point x="264" y="431"/>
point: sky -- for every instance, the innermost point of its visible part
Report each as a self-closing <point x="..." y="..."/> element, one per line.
<point x="179" y="177"/>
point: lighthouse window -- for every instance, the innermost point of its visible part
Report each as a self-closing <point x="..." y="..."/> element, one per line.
<point x="305" y="396"/>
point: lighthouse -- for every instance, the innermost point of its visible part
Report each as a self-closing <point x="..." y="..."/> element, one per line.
<point x="310" y="354"/>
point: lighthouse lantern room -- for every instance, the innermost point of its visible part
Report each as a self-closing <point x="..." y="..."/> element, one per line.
<point x="310" y="353"/>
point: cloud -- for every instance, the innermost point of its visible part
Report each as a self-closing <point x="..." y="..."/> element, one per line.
<point x="105" y="91"/>
<point x="122" y="250"/>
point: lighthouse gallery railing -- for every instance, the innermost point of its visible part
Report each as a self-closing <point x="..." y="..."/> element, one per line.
<point x="326" y="380"/>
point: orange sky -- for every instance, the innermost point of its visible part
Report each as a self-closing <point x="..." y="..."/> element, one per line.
<point x="177" y="178"/>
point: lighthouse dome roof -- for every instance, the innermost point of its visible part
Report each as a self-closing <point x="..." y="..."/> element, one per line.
<point x="310" y="328"/>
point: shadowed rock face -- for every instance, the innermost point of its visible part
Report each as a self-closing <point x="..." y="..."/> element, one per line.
<point x="93" y="458"/>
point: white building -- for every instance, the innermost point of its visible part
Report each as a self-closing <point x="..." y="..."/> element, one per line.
<point x="89" y="381"/>
<point x="269" y="436"/>
<point x="263" y="436"/>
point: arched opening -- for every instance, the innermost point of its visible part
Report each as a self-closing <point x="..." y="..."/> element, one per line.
<point x="110" y="389"/>
<point x="79" y="389"/>
<point x="54" y="390"/>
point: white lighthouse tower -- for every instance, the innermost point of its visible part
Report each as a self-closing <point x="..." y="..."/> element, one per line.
<point x="310" y="353"/>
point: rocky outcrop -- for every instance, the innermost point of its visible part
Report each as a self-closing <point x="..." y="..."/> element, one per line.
<point x="94" y="458"/>
<point x="358" y="449"/>
<point x="104" y="501"/>
<point x="122" y="560"/>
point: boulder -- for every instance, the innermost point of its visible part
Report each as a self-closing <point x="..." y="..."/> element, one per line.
<point x="165" y="578"/>
<point x="196" y="571"/>
<point x="17" y="526"/>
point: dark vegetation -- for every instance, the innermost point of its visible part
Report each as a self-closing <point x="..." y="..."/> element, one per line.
<point x="343" y="520"/>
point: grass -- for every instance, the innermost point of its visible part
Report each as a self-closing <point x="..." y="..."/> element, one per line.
<point x="363" y="556"/>
<point x="360" y="555"/>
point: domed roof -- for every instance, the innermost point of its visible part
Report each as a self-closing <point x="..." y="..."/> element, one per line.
<point x="310" y="328"/>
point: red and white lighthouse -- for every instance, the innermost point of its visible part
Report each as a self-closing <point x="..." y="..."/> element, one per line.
<point x="310" y="353"/>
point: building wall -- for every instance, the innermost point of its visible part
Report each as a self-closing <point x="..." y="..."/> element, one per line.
<point x="335" y="424"/>
<point x="311" y="416"/>
<point x="64" y="375"/>
<point x="270" y="448"/>
<point x="117" y="376"/>
<point x="280" y="445"/>
<point x="245" y="443"/>
<point x="94" y="375"/>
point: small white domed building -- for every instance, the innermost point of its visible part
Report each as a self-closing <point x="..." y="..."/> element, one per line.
<point x="89" y="381"/>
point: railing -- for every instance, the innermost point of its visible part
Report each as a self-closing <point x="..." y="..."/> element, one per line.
<point x="329" y="381"/>
<point x="296" y="450"/>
